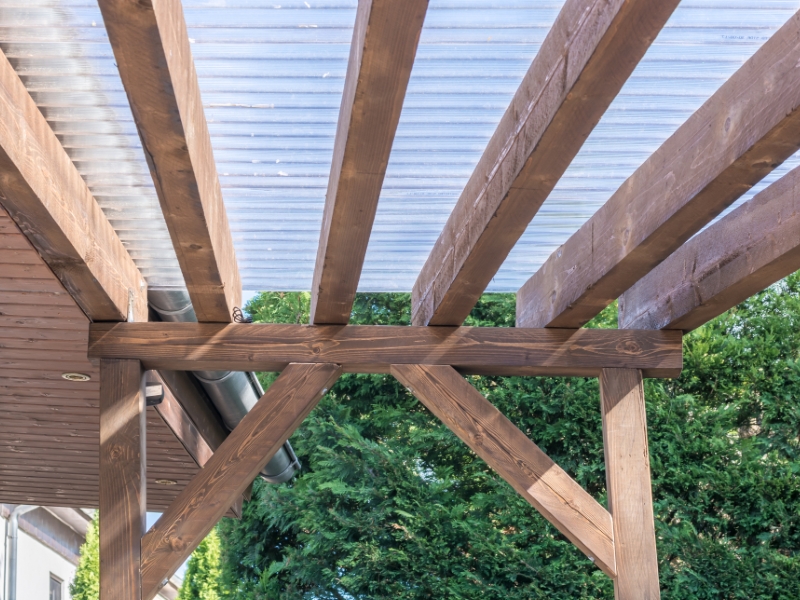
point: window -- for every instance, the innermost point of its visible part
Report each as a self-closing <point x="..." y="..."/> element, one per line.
<point x="55" y="587"/>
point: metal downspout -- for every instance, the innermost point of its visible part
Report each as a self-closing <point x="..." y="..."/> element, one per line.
<point x="233" y="393"/>
<point x="12" y="537"/>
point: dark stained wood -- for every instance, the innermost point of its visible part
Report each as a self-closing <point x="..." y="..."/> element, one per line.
<point x="382" y="53"/>
<point x="588" y="55"/>
<point x="372" y="349"/>
<point x="515" y="457"/>
<point x="42" y="191"/>
<point x="123" y="478"/>
<point x="152" y="51"/>
<point x="630" y="497"/>
<point x="181" y="424"/>
<point x="233" y="466"/>
<point x="194" y="401"/>
<point x="745" y="130"/>
<point x="48" y="421"/>
<point x="740" y="255"/>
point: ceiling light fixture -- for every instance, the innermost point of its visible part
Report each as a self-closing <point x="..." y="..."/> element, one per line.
<point x="76" y="376"/>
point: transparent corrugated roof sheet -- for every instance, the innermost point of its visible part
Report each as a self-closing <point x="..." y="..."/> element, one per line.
<point x="272" y="74"/>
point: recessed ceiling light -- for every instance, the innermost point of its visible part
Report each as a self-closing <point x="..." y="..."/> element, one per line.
<point x="76" y="376"/>
<point x="166" y="482"/>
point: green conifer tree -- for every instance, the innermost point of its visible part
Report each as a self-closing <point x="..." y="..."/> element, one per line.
<point x="86" y="585"/>
<point x="202" y="579"/>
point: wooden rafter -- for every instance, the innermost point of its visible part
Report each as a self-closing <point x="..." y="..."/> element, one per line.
<point x="230" y="470"/>
<point x="385" y="40"/>
<point x="742" y="254"/>
<point x="630" y="496"/>
<point x="372" y="349"/>
<point x="151" y="47"/>
<point x="588" y="55"/>
<point x="43" y="192"/>
<point x="515" y="457"/>
<point x="745" y="130"/>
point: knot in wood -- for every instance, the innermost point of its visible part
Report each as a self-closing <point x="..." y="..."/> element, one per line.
<point x="115" y="452"/>
<point x="629" y="347"/>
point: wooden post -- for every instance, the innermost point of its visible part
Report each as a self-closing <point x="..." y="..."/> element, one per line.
<point x="630" y="498"/>
<point x="122" y="478"/>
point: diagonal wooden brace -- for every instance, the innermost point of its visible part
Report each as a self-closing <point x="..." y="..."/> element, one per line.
<point x="515" y="457"/>
<point x="231" y="469"/>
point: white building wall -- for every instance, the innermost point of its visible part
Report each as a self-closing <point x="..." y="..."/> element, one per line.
<point x="35" y="563"/>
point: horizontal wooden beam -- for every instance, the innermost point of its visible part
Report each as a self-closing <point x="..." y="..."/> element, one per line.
<point x="48" y="199"/>
<point x="745" y="130"/>
<point x="372" y="348"/>
<point x="230" y="470"/>
<point x="591" y="50"/>
<point x="385" y="40"/>
<point x="152" y="51"/>
<point x="747" y="251"/>
<point x="515" y="457"/>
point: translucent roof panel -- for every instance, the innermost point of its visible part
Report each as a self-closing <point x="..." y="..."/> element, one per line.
<point x="271" y="76"/>
<point x="485" y="57"/>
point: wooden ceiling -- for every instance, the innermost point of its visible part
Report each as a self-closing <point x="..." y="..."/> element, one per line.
<point x="50" y="430"/>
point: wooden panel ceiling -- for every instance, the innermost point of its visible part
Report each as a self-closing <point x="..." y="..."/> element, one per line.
<point x="49" y="427"/>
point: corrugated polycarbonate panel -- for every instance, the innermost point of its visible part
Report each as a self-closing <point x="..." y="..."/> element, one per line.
<point x="62" y="54"/>
<point x="272" y="74"/>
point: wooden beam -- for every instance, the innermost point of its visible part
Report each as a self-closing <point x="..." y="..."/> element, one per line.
<point x="123" y="479"/>
<point x="382" y="53"/>
<point x="372" y="349"/>
<point x="745" y="130"/>
<point x="43" y="192"/>
<point x="151" y="47"/>
<point x="195" y="403"/>
<point x="515" y="457"/>
<point x="740" y="255"/>
<point x="630" y="497"/>
<point x="182" y="426"/>
<point x="231" y="469"/>
<point x="591" y="50"/>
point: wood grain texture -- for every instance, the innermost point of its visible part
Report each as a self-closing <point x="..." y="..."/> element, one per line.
<point x="745" y="130"/>
<point x="373" y="348"/>
<point x="44" y="194"/>
<point x="151" y="47"/>
<point x="591" y="50"/>
<point x="382" y="52"/>
<point x="515" y="457"/>
<point x="753" y="247"/>
<point x="197" y="405"/>
<point x="123" y="502"/>
<point x="233" y="466"/>
<point x="181" y="424"/>
<point x="630" y="497"/>
<point x="50" y="430"/>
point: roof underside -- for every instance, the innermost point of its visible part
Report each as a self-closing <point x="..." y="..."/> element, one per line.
<point x="271" y="76"/>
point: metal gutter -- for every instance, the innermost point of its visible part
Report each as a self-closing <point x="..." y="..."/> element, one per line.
<point x="233" y="393"/>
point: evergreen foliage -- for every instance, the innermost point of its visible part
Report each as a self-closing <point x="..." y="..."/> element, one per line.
<point x="202" y="578"/>
<point x="86" y="584"/>
<point x="390" y="504"/>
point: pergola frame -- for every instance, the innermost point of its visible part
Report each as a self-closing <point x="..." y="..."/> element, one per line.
<point x="741" y="134"/>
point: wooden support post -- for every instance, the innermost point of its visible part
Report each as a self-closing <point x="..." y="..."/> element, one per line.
<point x="122" y="479"/>
<point x="515" y="458"/>
<point x="630" y="498"/>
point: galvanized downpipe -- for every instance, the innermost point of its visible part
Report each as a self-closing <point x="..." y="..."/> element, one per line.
<point x="233" y="393"/>
<point x="12" y="542"/>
